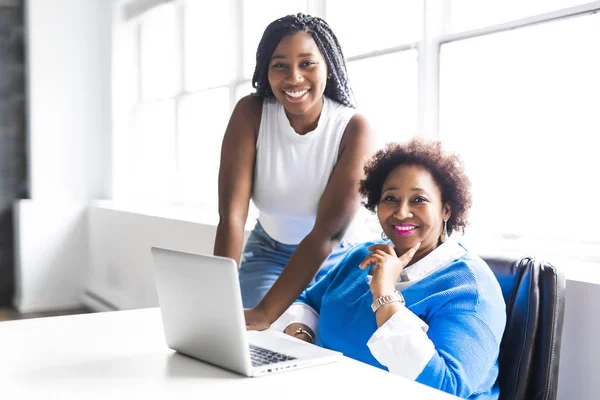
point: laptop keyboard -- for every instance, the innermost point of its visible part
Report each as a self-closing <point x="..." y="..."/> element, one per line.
<point x="260" y="356"/>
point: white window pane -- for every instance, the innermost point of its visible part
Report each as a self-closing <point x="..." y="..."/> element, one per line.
<point x="125" y="75"/>
<point x="258" y="14"/>
<point x="243" y="89"/>
<point x="363" y="26"/>
<point x="155" y="152"/>
<point x="209" y="50"/>
<point x="522" y="109"/>
<point x="123" y="156"/>
<point x="203" y="119"/>
<point x="388" y="98"/>
<point x="158" y="53"/>
<point x="126" y="89"/>
<point x="472" y="14"/>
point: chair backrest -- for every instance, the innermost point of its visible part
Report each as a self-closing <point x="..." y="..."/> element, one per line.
<point x="534" y="292"/>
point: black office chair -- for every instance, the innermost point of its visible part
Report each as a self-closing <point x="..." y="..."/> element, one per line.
<point x="534" y="292"/>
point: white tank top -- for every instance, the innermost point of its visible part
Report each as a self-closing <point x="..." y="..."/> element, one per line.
<point x="292" y="170"/>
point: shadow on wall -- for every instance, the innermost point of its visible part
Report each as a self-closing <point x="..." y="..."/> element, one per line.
<point x="7" y="270"/>
<point x="13" y="176"/>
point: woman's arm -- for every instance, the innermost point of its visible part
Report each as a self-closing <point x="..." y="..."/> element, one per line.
<point x="306" y="309"/>
<point x="338" y="206"/>
<point x="455" y="355"/>
<point x="300" y="331"/>
<point x="238" y="154"/>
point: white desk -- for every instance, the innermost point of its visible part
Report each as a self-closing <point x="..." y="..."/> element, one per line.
<point x="123" y="355"/>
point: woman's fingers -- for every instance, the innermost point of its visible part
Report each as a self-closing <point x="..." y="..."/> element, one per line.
<point x="379" y="252"/>
<point x="410" y="253"/>
<point x="365" y="263"/>
<point x="372" y="258"/>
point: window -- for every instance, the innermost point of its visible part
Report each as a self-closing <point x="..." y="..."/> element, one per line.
<point x="154" y="155"/>
<point x="181" y="74"/>
<point x="158" y="54"/>
<point x="203" y="118"/>
<point x="363" y="27"/>
<point x="388" y="98"/>
<point x="378" y="39"/>
<point x="510" y="85"/>
<point x="177" y="81"/>
<point x="520" y="106"/>
<point x="472" y="14"/>
<point x="209" y="44"/>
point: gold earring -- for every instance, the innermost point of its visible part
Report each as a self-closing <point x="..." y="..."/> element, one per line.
<point x="444" y="235"/>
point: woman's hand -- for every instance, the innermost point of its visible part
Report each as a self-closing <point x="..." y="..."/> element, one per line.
<point x="256" y="320"/>
<point x="387" y="267"/>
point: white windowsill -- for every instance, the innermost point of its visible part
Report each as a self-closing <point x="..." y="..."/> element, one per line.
<point x="180" y="213"/>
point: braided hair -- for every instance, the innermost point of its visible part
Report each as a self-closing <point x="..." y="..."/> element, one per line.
<point x="337" y="87"/>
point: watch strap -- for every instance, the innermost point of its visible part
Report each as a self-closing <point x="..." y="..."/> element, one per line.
<point x="396" y="296"/>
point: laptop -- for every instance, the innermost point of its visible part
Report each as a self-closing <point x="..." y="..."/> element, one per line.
<point x="201" y="307"/>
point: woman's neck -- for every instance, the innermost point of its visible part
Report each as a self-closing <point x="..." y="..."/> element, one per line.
<point x="307" y="122"/>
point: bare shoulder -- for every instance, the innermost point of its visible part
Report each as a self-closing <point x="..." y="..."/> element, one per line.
<point x="359" y="124"/>
<point x="358" y="132"/>
<point x="249" y="108"/>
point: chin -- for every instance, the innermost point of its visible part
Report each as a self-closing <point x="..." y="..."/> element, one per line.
<point x="296" y="108"/>
<point x="406" y="243"/>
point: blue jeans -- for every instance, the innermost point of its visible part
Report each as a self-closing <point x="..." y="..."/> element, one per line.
<point x="263" y="259"/>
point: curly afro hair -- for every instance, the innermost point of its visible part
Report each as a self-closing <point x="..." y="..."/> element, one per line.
<point x="446" y="168"/>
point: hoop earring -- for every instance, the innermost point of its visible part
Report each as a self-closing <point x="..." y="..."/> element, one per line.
<point x="384" y="236"/>
<point x="444" y="235"/>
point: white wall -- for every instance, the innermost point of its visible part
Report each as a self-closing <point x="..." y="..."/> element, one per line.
<point x="51" y="238"/>
<point x="69" y="81"/>
<point x="580" y="351"/>
<point x="120" y="269"/>
<point x="69" y="144"/>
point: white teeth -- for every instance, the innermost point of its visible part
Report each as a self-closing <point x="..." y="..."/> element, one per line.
<point x="404" y="228"/>
<point x="296" y="94"/>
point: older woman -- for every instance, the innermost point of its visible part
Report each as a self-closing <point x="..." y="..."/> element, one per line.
<point x="417" y="304"/>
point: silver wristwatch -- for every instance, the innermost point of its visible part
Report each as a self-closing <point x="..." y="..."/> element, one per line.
<point x="386" y="299"/>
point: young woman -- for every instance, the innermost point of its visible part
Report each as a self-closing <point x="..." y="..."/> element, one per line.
<point x="297" y="148"/>
<point x="419" y="304"/>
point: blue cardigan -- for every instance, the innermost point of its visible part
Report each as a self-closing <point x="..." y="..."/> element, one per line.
<point x="461" y="302"/>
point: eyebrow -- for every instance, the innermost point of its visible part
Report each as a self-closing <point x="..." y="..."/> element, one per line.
<point x="415" y="189"/>
<point x="301" y="55"/>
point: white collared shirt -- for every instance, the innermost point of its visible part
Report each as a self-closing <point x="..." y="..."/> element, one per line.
<point x="401" y="343"/>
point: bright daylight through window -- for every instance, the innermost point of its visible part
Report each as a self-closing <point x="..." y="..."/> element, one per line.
<point x="513" y="88"/>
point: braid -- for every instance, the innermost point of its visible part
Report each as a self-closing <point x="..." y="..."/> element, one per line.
<point x="337" y="87"/>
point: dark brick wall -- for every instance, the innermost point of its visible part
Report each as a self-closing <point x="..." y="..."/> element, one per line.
<point x="13" y="174"/>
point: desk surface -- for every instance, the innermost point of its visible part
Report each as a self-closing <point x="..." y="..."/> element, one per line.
<point x="123" y="354"/>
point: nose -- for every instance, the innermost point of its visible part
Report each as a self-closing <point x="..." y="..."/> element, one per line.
<point x="403" y="212"/>
<point x="294" y="75"/>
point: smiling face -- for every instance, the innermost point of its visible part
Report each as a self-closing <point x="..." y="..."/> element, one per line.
<point x="298" y="75"/>
<point x="410" y="210"/>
